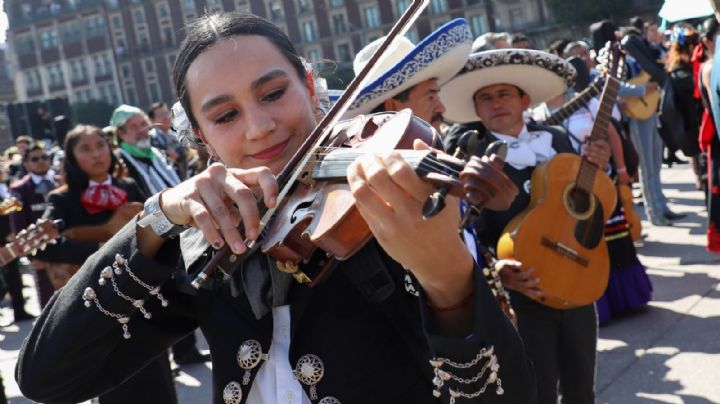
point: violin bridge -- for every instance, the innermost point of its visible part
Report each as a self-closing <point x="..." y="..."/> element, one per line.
<point x="293" y="269"/>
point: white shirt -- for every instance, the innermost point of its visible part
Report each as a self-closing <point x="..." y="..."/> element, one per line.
<point x="527" y="149"/>
<point x="108" y="181"/>
<point x="49" y="175"/>
<point x="275" y="382"/>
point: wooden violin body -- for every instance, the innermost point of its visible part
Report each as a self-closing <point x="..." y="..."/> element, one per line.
<point x="564" y="244"/>
<point x="321" y="212"/>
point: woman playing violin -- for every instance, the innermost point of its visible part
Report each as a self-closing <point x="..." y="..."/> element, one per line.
<point x="408" y="318"/>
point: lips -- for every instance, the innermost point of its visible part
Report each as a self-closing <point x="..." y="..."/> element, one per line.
<point x="271" y="152"/>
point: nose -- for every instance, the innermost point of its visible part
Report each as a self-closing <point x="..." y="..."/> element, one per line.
<point x="259" y="123"/>
<point x="439" y="107"/>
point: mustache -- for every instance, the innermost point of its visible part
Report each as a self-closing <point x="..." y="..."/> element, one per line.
<point x="437" y="118"/>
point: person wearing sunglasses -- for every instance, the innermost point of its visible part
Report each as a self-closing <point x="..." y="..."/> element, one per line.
<point x="32" y="191"/>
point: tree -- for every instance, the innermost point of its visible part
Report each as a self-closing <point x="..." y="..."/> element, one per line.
<point x="579" y="12"/>
<point x="93" y="112"/>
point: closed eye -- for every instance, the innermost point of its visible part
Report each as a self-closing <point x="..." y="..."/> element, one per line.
<point x="226" y="117"/>
<point x="274" y="95"/>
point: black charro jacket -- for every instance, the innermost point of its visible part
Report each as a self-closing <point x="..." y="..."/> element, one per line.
<point x="372" y="352"/>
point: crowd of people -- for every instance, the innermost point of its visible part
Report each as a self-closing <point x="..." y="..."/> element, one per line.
<point x="426" y="306"/>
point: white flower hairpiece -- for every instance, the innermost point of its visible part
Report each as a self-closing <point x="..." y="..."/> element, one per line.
<point x="182" y="127"/>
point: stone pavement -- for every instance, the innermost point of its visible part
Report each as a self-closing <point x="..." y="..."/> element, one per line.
<point x="668" y="352"/>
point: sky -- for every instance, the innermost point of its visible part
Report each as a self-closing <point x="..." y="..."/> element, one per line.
<point x="3" y="22"/>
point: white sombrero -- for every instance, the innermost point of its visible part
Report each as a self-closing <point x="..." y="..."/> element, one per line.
<point x="440" y="55"/>
<point x="539" y="74"/>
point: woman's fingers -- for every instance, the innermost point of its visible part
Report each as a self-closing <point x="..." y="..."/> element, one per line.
<point x="260" y="177"/>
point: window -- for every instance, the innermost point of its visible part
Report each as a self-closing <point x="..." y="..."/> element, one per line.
<point x="149" y="66"/>
<point x="171" y="60"/>
<point x="108" y="65"/>
<point x="402" y="5"/>
<point x="188" y="5"/>
<point x="336" y="3"/>
<point x="438" y="6"/>
<point x="516" y="17"/>
<point x="131" y="96"/>
<point x="49" y="39"/>
<point x="372" y="17"/>
<point x="126" y="71"/>
<point x="31" y="80"/>
<point x="95" y="26"/>
<point x="55" y="75"/>
<point x="309" y="31"/>
<point x="276" y="12"/>
<point x="99" y="66"/>
<point x="119" y="46"/>
<point x="112" y="3"/>
<point x="313" y="55"/>
<point x="167" y="35"/>
<point x="477" y="24"/>
<point x="144" y="41"/>
<point x="163" y="10"/>
<point x="243" y="6"/>
<point x="71" y="32"/>
<point x="25" y="44"/>
<point x="304" y="6"/>
<point x="154" y="91"/>
<point x="139" y="16"/>
<point x="344" y="53"/>
<point x="339" y="25"/>
<point x="116" y="22"/>
<point x="77" y="70"/>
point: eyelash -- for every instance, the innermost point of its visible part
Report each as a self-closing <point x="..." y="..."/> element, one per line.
<point x="275" y="95"/>
<point x="229" y="116"/>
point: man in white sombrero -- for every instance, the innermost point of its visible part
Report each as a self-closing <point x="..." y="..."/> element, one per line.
<point x="496" y="87"/>
<point x="410" y="76"/>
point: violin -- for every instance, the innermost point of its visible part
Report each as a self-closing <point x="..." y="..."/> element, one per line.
<point x="315" y="207"/>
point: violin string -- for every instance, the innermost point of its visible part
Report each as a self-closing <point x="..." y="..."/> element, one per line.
<point x="425" y="163"/>
<point x="433" y="163"/>
<point x="434" y="166"/>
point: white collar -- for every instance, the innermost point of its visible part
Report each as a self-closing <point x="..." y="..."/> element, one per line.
<point x="108" y="181"/>
<point x="50" y="175"/>
<point x="527" y="148"/>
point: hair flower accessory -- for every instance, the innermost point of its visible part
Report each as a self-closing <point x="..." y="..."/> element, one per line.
<point x="182" y="128"/>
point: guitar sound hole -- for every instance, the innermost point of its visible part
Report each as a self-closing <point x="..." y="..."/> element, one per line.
<point x="578" y="200"/>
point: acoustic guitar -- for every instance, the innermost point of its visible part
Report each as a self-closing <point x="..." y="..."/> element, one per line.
<point x="641" y="108"/>
<point x="9" y="206"/>
<point x="27" y="242"/>
<point x="561" y="232"/>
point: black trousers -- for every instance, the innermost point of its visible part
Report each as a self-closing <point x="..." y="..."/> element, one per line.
<point x="13" y="280"/>
<point x="184" y="346"/>
<point x="562" y="345"/>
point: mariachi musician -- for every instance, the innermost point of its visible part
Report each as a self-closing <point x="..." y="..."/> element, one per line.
<point x="93" y="206"/>
<point x="360" y="335"/>
<point x="496" y="87"/>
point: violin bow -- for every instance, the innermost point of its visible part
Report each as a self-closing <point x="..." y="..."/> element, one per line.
<point x="294" y="168"/>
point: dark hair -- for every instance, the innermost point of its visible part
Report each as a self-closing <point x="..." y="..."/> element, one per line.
<point x="639" y="23"/>
<point x="558" y="46"/>
<point x="211" y="28"/>
<point x="77" y="180"/>
<point x="602" y="32"/>
<point x="153" y="107"/>
<point x="518" y="37"/>
<point x="33" y="147"/>
<point x="710" y="28"/>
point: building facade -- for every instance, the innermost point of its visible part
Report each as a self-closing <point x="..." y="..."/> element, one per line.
<point x="123" y="50"/>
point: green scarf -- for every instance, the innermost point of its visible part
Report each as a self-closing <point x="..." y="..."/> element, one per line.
<point x="138" y="152"/>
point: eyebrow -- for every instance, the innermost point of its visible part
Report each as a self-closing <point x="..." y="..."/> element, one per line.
<point x="255" y="84"/>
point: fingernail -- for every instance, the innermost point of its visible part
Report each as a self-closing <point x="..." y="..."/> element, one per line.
<point x="239" y="247"/>
<point x="271" y="202"/>
<point x="252" y="233"/>
<point x="217" y="244"/>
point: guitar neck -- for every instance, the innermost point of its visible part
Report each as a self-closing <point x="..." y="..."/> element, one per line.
<point x="6" y="255"/>
<point x="575" y="104"/>
<point x="586" y="175"/>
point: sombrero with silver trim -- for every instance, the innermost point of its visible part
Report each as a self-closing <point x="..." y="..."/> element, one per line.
<point x="440" y="55"/>
<point x="541" y="75"/>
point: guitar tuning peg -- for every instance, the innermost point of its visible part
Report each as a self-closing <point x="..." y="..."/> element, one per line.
<point x="34" y="251"/>
<point x="52" y="241"/>
<point x="32" y="227"/>
<point x="42" y="247"/>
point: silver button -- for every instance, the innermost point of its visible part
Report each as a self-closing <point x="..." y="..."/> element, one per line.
<point x="290" y="396"/>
